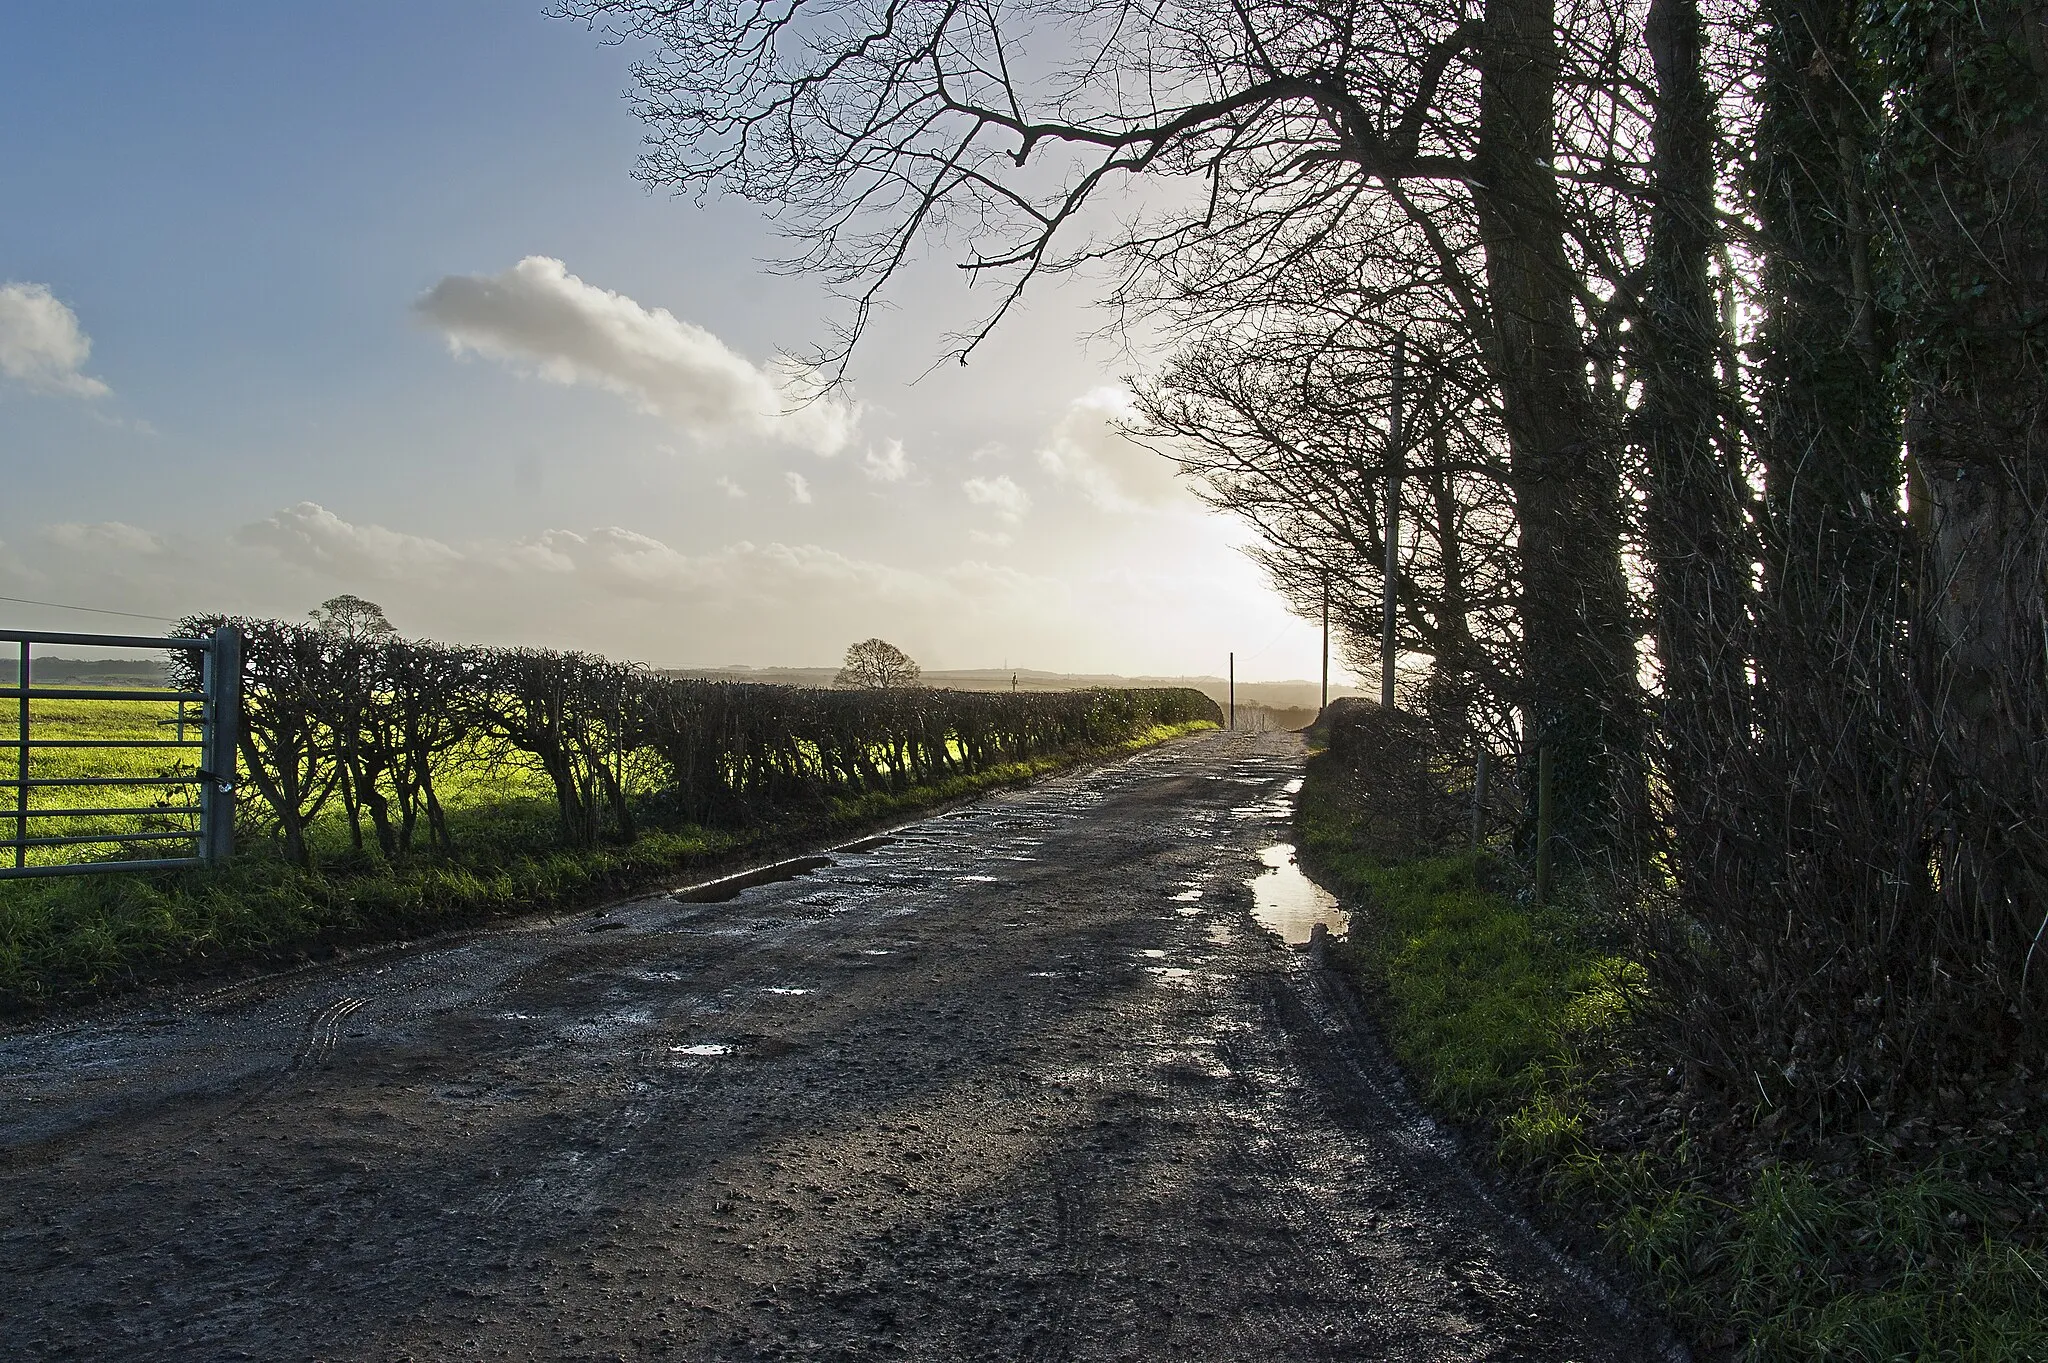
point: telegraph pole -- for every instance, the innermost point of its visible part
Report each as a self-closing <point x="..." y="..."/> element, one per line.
<point x="1233" y="691"/>
<point x="1390" y="643"/>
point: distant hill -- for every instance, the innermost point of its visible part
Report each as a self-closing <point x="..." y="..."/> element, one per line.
<point x="1280" y="695"/>
<point x="88" y="671"/>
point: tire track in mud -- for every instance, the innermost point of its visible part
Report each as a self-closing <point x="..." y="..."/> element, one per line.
<point x="323" y="1029"/>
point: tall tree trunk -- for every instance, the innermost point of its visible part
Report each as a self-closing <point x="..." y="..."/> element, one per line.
<point x="1453" y="678"/>
<point x="1818" y="909"/>
<point x="1699" y="545"/>
<point x="1968" y="174"/>
<point x="1579" y="648"/>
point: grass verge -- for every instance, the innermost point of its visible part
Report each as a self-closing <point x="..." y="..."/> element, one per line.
<point x="68" y="940"/>
<point x="1514" y="1020"/>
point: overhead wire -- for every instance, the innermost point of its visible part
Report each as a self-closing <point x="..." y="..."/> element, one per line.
<point x="89" y="610"/>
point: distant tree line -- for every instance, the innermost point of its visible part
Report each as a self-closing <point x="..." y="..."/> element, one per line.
<point x="1723" y="477"/>
<point x="343" y="716"/>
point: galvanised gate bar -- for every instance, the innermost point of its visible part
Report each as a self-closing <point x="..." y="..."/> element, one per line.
<point x="202" y="727"/>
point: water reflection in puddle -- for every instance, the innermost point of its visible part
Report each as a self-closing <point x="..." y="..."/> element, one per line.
<point x="1289" y="903"/>
<point x="702" y="1048"/>
<point x="785" y="989"/>
<point x="1188" y="896"/>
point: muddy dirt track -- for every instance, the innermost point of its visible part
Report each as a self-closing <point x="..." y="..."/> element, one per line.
<point x="1005" y="1087"/>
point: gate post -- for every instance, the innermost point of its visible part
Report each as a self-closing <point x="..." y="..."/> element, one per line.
<point x="223" y="686"/>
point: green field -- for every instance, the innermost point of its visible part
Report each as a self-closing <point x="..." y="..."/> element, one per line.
<point x="156" y="809"/>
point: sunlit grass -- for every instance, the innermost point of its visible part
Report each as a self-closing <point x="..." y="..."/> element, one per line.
<point x="147" y="809"/>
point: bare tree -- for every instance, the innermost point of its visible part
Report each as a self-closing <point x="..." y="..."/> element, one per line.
<point x="876" y="665"/>
<point x="352" y="617"/>
<point x="1284" y="429"/>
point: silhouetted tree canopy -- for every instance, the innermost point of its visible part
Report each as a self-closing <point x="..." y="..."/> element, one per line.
<point x="875" y="665"/>
<point x="353" y="617"/>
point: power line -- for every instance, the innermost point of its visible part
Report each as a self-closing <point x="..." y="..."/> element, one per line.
<point x="89" y="610"/>
<point x="1285" y="625"/>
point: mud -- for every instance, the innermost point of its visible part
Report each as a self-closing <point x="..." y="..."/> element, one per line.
<point x="1024" y="1082"/>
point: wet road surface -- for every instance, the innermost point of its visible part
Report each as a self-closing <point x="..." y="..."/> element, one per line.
<point x="1024" y="1082"/>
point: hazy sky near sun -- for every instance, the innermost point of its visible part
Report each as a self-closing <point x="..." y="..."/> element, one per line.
<point x="297" y="300"/>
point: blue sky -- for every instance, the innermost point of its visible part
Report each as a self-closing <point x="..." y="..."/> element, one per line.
<point x="242" y="207"/>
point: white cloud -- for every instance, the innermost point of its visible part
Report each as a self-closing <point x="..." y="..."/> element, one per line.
<point x="602" y="564"/>
<point x="743" y="576"/>
<point x="103" y="537"/>
<point x="1162" y="596"/>
<point x="1001" y="494"/>
<point x="799" y="488"/>
<point x="730" y="488"/>
<point x="308" y="535"/>
<point x="576" y="333"/>
<point x="888" y="464"/>
<point x="1091" y="451"/>
<point x="42" y="347"/>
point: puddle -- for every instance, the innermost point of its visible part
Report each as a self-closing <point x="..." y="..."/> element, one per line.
<point x="1188" y="896"/>
<point x="718" y="891"/>
<point x="1153" y="954"/>
<point x="702" y="1048"/>
<point x="1292" y="787"/>
<point x="976" y="880"/>
<point x="1289" y="903"/>
<point x="876" y="951"/>
<point x="789" y="991"/>
<point x="1047" y="974"/>
<point x="1168" y="972"/>
<point x="606" y="1027"/>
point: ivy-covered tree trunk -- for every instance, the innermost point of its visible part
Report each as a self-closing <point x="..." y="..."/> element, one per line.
<point x="1967" y="174"/>
<point x="1820" y="909"/>
<point x="1579" y="668"/>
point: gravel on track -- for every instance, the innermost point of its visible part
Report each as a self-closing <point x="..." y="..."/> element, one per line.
<point x="998" y="1087"/>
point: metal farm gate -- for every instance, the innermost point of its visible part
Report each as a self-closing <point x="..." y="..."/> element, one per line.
<point x="64" y="800"/>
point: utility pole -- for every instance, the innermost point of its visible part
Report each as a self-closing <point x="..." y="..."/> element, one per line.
<point x="1326" y="639"/>
<point x="1390" y="643"/>
<point x="1233" y="691"/>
